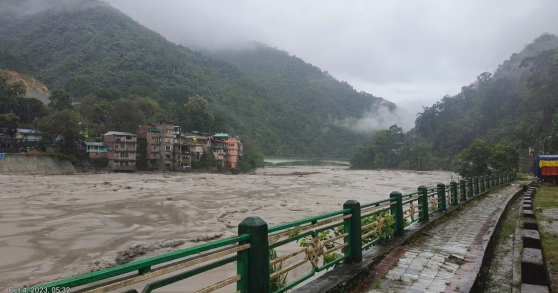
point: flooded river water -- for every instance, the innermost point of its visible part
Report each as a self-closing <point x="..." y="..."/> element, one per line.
<point x="58" y="226"/>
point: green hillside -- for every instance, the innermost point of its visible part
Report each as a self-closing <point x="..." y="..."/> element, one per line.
<point x="516" y="106"/>
<point x="91" y="48"/>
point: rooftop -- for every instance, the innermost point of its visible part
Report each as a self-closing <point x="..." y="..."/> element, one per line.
<point x="119" y="133"/>
<point x="98" y="144"/>
<point x="25" y="130"/>
<point x="221" y="135"/>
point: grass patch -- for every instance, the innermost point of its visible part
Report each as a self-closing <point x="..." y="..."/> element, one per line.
<point x="376" y="285"/>
<point x="547" y="198"/>
<point x="509" y="223"/>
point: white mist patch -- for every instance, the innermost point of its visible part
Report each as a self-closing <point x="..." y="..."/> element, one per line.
<point x="377" y="118"/>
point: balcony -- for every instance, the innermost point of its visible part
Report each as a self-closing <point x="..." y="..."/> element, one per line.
<point x="125" y="149"/>
<point x="133" y="140"/>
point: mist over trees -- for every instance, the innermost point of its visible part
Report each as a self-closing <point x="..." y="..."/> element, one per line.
<point x="98" y="56"/>
<point x="513" y="109"/>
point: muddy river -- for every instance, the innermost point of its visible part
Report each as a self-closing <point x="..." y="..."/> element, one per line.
<point x="58" y="226"/>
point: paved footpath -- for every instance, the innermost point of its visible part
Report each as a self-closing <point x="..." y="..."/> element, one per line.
<point x="443" y="260"/>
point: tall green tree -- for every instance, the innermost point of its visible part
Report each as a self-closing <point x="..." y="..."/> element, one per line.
<point x="60" y="100"/>
<point x="197" y="111"/>
<point x="62" y="128"/>
<point x="9" y="123"/>
<point x="504" y="158"/>
<point x="475" y="160"/>
<point x="125" y="116"/>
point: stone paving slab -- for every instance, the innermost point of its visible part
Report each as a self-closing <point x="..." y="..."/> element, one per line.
<point x="527" y="288"/>
<point x="447" y="254"/>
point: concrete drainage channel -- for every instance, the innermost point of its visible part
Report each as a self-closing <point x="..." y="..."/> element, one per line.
<point x="533" y="273"/>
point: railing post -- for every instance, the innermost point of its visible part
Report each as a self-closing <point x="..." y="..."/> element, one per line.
<point x="470" y="187"/>
<point x="397" y="212"/>
<point x="476" y="185"/>
<point x="482" y="184"/>
<point x="257" y="278"/>
<point x="463" y="189"/>
<point x="353" y="226"/>
<point x="453" y="190"/>
<point x="441" y="196"/>
<point x="424" y="215"/>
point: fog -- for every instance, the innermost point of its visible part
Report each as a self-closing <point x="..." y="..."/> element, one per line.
<point x="408" y="52"/>
<point x="379" y="117"/>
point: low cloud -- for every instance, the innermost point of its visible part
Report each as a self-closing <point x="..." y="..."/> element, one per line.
<point x="379" y="117"/>
<point x="22" y="8"/>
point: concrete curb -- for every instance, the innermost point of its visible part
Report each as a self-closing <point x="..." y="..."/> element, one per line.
<point x="476" y="283"/>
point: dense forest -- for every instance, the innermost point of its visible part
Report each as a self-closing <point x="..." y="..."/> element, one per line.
<point x="515" y="107"/>
<point x="99" y="55"/>
<point x="319" y="99"/>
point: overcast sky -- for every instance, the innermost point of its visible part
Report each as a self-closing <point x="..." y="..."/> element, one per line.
<point x="409" y="52"/>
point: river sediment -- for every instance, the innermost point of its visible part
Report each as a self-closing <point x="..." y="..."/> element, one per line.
<point x="62" y="225"/>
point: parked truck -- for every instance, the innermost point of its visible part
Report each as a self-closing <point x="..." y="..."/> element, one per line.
<point x="545" y="167"/>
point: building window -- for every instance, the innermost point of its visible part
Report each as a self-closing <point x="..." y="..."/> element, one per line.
<point x="168" y="148"/>
<point x="154" y="148"/>
<point x="168" y="157"/>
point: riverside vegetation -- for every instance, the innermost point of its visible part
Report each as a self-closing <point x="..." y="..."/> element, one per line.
<point x="514" y="108"/>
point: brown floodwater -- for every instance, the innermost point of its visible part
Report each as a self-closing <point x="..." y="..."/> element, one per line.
<point x="59" y="226"/>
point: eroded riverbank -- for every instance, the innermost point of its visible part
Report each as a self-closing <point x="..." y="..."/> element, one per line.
<point x="57" y="226"/>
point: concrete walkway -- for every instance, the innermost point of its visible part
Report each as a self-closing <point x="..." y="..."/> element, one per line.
<point x="447" y="258"/>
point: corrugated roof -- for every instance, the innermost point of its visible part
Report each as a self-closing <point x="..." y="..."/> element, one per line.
<point x="221" y="135"/>
<point x="119" y="133"/>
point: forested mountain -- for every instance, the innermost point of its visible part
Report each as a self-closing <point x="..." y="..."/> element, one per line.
<point x="517" y="106"/>
<point x="91" y="48"/>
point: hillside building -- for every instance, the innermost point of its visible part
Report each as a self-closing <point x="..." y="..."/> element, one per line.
<point x="122" y="148"/>
<point x="96" y="150"/>
<point x="157" y="145"/>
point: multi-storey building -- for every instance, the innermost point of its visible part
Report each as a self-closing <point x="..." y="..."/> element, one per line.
<point x="122" y="147"/>
<point x="157" y="141"/>
<point x="233" y="150"/>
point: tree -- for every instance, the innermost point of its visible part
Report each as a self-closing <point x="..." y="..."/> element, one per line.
<point x="60" y="100"/>
<point x="9" y="123"/>
<point x="62" y="126"/>
<point x="384" y="150"/>
<point x="504" y="158"/>
<point x="198" y="113"/>
<point x="10" y="90"/>
<point x="149" y="109"/>
<point x="125" y="116"/>
<point x="474" y="160"/>
<point x="252" y="157"/>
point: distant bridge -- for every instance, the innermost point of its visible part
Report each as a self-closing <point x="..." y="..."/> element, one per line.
<point x="303" y="161"/>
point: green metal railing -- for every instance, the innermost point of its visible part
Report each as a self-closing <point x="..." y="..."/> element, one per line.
<point x="317" y="244"/>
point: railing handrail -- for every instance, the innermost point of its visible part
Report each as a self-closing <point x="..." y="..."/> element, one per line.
<point x="140" y="264"/>
<point x="280" y="227"/>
